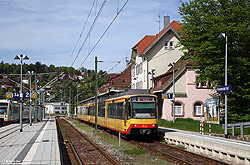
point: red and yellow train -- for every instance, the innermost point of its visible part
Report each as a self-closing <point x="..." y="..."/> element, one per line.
<point x="129" y="114"/>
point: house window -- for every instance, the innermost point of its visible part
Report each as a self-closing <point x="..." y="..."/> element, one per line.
<point x="171" y="45"/>
<point x="140" y="68"/>
<point x="166" y="45"/>
<point x="133" y="71"/>
<point x="202" y="84"/>
<point x="198" y="109"/>
<point x="144" y="76"/>
<point x="137" y="69"/>
<point x="178" y="108"/>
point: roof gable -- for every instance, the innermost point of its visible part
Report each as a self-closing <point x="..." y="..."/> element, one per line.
<point x="149" y="40"/>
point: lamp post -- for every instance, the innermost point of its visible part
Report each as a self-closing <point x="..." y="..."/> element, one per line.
<point x="77" y="99"/>
<point x="21" y="57"/>
<point x="96" y="61"/>
<point x="222" y="36"/>
<point x="172" y="65"/>
<point x="152" y="74"/>
<point x="30" y="73"/>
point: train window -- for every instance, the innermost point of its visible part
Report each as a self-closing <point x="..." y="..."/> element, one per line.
<point x="144" y="110"/>
<point x="128" y="109"/>
<point x="120" y="110"/>
<point x="3" y="108"/>
<point x="101" y="109"/>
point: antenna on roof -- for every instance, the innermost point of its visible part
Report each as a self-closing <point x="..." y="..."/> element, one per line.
<point x="159" y="20"/>
<point x="127" y="61"/>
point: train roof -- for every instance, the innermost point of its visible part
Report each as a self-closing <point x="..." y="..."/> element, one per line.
<point x="7" y="101"/>
<point x="118" y="94"/>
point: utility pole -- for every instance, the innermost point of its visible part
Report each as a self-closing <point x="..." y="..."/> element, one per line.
<point x="96" y="91"/>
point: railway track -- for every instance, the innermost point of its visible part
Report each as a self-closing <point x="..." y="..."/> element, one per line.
<point x="81" y="149"/>
<point x="170" y="153"/>
<point x="174" y="154"/>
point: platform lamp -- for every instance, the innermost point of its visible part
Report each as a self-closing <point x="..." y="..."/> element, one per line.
<point x="222" y="36"/>
<point x="172" y="65"/>
<point x="21" y="57"/>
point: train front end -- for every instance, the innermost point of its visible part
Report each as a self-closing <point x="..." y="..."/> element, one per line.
<point x="142" y="116"/>
<point x="3" y="112"/>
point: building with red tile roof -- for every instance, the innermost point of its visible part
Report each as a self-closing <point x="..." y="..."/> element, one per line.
<point x="154" y="53"/>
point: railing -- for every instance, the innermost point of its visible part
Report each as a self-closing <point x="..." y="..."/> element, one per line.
<point x="237" y="125"/>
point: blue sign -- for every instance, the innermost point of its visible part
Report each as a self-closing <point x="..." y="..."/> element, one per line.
<point x="26" y="95"/>
<point x="16" y="95"/>
<point x="224" y="89"/>
<point x="169" y="95"/>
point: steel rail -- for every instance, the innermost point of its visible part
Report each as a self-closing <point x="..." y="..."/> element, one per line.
<point x="71" y="145"/>
<point x="208" y="160"/>
<point x="164" y="155"/>
<point x="113" y="161"/>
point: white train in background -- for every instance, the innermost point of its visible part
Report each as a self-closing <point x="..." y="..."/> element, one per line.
<point x="10" y="112"/>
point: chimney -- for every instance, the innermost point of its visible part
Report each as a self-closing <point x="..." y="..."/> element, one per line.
<point x="166" y="21"/>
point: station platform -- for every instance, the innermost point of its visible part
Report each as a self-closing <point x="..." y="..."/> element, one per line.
<point x="36" y="144"/>
<point x="233" y="151"/>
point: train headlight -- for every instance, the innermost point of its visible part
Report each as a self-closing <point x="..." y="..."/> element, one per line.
<point x="154" y="125"/>
<point x="135" y="125"/>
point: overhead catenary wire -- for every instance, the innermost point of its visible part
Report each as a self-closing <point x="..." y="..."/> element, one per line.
<point x="81" y="32"/>
<point x="91" y="28"/>
<point x="104" y="33"/>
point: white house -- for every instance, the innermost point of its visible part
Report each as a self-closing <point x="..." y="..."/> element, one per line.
<point x="57" y="108"/>
<point x="153" y="54"/>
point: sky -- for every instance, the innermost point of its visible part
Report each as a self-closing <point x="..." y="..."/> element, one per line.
<point x="47" y="30"/>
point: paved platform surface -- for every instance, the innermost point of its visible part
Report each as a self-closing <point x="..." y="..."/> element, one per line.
<point x="37" y="144"/>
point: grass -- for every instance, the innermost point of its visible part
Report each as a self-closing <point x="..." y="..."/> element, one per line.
<point x="82" y="126"/>
<point x="134" y="151"/>
<point x="194" y="125"/>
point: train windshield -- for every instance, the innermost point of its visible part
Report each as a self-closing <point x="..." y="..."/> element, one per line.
<point x="144" y="108"/>
<point x="3" y="108"/>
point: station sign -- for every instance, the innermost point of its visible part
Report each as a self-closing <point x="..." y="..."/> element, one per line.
<point x="9" y="95"/>
<point x="224" y="89"/>
<point x="167" y="96"/>
<point x="33" y="95"/>
<point x="26" y="95"/>
<point x="16" y="95"/>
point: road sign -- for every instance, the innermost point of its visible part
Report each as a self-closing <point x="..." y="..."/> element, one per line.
<point x="16" y="95"/>
<point x="224" y="89"/>
<point x="9" y="95"/>
<point x="163" y="96"/>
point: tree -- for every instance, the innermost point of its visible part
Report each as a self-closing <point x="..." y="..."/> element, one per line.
<point x="203" y="21"/>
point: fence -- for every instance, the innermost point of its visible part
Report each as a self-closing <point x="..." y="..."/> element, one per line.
<point x="237" y="125"/>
